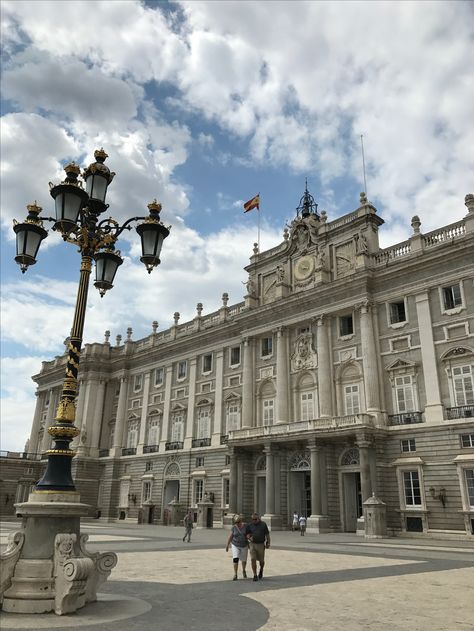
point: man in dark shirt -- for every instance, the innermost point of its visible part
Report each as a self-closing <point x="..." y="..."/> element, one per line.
<point x="259" y="538"/>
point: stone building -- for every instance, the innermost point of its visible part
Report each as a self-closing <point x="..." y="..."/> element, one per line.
<point x="347" y="370"/>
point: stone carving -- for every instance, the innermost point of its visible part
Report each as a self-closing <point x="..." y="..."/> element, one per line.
<point x="280" y="274"/>
<point x="104" y="563"/>
<point x="345" y="259"/>
<point x="173" y="470"/>
<point x="304" y="356"/>
<point x="362" y="246"/>
<point x="9" y="558"/>
<point x="350" y="457"/>
<point x="250" y="287"/>
<point x="70" y="578"/>
<point x="300" y="461"/>
<point x="320" y="259"/>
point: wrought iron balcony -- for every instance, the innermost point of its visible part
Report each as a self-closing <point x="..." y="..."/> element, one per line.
<point x="405" y="418"/>
<point x="177" y="444"/>
<point x="129" y="451"/>
<point x="103" y="453"/>
<point x="201" y="442"/>
<point x="150" y="449"/>
<point x="224" y="439"/>
<point x="461" y="411"/>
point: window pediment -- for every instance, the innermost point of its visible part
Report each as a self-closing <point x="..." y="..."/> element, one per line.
<point x="401" y="364"/>
<point x="456" y="352"/>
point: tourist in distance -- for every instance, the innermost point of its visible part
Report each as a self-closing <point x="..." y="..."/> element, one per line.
<point x="302" y="522"/>
<point x="239" y="544"/>
<point x="294" y="523"/>
<point x="259" y="537"/>
<point x="188" y="525"/>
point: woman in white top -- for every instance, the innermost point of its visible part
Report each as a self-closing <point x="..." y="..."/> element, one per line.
<point x="240" y="547"/>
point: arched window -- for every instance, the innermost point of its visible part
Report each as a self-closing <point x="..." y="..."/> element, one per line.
<point x="153" y="429"/>
<point x="132" y="432"/>
<point x="177" y="425"/>
<point x="350" y="457"/>
<point x="232" y="413"/>
<point x="203" y="429"/>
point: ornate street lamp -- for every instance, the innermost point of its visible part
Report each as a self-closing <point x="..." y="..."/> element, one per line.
<point x="78" y="220"/>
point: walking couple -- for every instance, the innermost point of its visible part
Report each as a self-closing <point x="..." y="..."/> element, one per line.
<point x="254" y="536"/>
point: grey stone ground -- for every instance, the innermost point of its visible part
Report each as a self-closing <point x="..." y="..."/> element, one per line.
<point x="311" y="583"/>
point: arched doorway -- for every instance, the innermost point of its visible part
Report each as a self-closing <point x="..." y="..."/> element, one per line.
<point x="172" y="474"/>
<point x="350" y="489"/>
<point x="299" y="490"/>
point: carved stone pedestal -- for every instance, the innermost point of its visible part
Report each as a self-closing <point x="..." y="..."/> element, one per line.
<point x="46" y="566"/>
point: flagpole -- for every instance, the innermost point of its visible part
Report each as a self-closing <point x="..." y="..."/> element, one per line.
<point x="258" y="233"/>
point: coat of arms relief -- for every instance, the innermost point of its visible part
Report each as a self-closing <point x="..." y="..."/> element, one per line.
<point x="304" y="356"/>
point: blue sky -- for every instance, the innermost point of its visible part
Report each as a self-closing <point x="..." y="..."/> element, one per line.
<point x="202" y="105"/>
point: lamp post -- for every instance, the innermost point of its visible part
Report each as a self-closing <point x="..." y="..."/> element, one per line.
<point x="78" y="219"/>
<point x="48" y="566"/>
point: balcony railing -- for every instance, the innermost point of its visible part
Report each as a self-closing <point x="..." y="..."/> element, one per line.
<point x="177" y="444"/>
<point x="406" y="418"/>
<point x="20" y="454"/>
<point x="201" y="442"/>
<point x="224" y="439"/>
<point x="129" y="451"/>
<point x="150" y="449"/>
<point x="103" y="453"/>
<point x="461" y="411"/>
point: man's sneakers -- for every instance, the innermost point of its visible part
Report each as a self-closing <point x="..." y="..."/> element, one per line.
<point x="255" y="578"/>
<point x="260" y="574"/>
<point x="235" y="578"/>
<point x="244" y="574"/>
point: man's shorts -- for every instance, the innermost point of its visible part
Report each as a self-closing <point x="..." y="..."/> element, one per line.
<point x="257" y="552"/>
<point x="240" y="553"/>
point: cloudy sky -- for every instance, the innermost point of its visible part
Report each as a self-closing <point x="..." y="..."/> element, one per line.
<point x="202" y="105"/>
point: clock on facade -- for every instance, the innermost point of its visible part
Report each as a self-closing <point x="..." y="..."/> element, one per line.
<point x="304" y="267"/>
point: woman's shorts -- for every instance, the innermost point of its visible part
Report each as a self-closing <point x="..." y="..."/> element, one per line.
<point x="257" y="552"/>
<point x="240" y="553"/>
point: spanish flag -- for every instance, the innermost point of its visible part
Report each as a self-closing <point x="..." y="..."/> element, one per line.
<point x="252" y="203"/>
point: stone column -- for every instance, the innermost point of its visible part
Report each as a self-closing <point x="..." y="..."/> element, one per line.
<point x="46" y="442"/>
<point x="248" y="384"/>
<point x="217" y="425"/>
<point x="433" y="407"/>
<point x="369" y="361"/>
<point x="98" y="418"/>
<point x="79" y="411"/>
<point x="365" y="477"/>
<point x="240" y="480"/>
<point x="166" y="408"/>
<point x="282" y="376"/>
<point x="84" y="437"/>
<point x="318" y="521"/>
<point x="233" y="483"/>
<point x="324" y="367"/>
<point x="324" y="483"/>
<point x="144" y="415"/>
<point x="120" y="420"/>
<point x="189" y="432"/>
<point x="33" y="446"/>
<point x="269" y="482"/>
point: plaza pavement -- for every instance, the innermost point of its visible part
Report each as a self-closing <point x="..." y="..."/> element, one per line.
<point x="317" y="582"/>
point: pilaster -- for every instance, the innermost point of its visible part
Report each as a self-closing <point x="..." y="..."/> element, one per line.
<point x="282" y="375"/>
<point x="248" y="383"/>
<point x="217" y="426"/>
<point x="98" y="418"/>
<point x="189" y="433"/>
<point x="120" y="417"/>
<point x="166" y="408"/>
<point x="369" y="361"/>
<point x="324" y="367"/>
<point x="33" y="446"/>
<point x="144" y="415"/>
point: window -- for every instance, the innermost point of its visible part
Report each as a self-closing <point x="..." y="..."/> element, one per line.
<point x="404" y="394"/>
<point x="232" y="416"/>
<point x="159" y="377"/>
<point x="235" y="356"/>
<point x="148" y="465"/>
<point x="135" y="403"/>
<point x="153" y="431"/>
<point x="463" y="385"/>
<point x="132" y="433"/>
<point x="137" y="383"/>
<point x="397" y="312"/>
<point x="177" y="428"/>
<point x="234" y="381"/>
<point x="227" y="460"/>
<point x="204" y="423"/>
<point x="182" y="369"/>
<point x="452" y="297"/>
<point x="198" y="490"/>
<point x="200" y="461"/>
<point x="111" y="435"/>
<point x="467" y="440"/>
<point x="307" y="406"/>
<point x="469" y="475"/>
<point x="225" y="491"/>
<point x="346" y="325"/>
<point x="267" y="346"/>
<point x="207" y="363"/>
<point x="180" y="394"/>
<point x="352" y="399"/>
<point x="268" y="411"/>
<point x="411" y="484"/>
<point x="407" y="445"/>
<point x="146" y="491"/>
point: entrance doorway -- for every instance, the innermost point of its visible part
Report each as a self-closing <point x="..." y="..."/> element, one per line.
<point x="300" y="493"/>
<point x="352" y="499"/>
<point x="261" y="495"/>
<point x="171" y="492"/>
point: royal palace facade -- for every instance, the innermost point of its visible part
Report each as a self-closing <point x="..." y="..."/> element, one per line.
<point x="347" y="371"/>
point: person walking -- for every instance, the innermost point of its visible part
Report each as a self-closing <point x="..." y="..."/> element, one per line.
<point x="302" y="523"/>
<point x="188" y="525"/>
<point x="259" y="538"/>
<point x="294" y="524"/>
<point x="240" y="546"/>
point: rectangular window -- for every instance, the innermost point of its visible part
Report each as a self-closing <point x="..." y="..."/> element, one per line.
<point x="153" y="430"/>
<point x="346" y="325"/>
<point x="132" y="434"/>
<point x="233" y="416"/>
<point x="469" y="475"/>
<point x="204" y="423"/>
<point x="411" y="483"/>
<point x="225" y="491"/>
<point x="135" y="403"/>
<point x="146" y="491"/>
<point x="307" y="406"/>
<point x="452" y="297"/>
<point x="352" y="400"/>
<point x="467" y="440"/>
<point x="182" y="369"/>
<point x="200" y="461"/>
<point x="207" y="363"/>
<point x="198" y="490"/>
<point x="177" y="429"/>
<point x="180" y="394"/>
<point x="463" y="385"/>
<point x="235" y="356"/>
<point x="159" y="376"/>
<point x="397" y="312"/>
<point x="268" y="411"/>
<point x="148" y="465"/>
<point x="404" y="394"/>
<point x="137" y="383"/>
<point x="408" y="444"/>
<point x="267" y="346"/>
